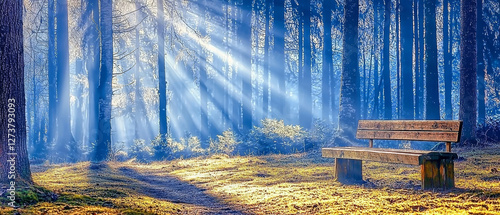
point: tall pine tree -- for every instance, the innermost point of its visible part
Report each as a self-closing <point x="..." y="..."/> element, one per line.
<point x="349" y="88"/>
<point x="12" y="98"/>
<point x="105" y="91"/>
<point x="431" y="66"/>
<point x="305" y="100"/>
<point x="468" y="71"/>
<point x="406" y="59"/>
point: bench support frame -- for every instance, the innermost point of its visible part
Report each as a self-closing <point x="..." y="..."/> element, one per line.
<point x="437" y="174"/>
<point x="348" y="171"/>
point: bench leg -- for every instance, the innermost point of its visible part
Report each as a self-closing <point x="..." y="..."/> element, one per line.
<point x="437" y="174"/>
<point x="446" y="169"/>
<point x="348" y="171"/>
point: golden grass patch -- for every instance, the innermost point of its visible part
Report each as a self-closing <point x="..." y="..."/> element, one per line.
<point x="275" y="184"/>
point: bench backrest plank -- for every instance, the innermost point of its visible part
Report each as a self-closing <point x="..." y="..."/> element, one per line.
<point x="421" y="130"/>
<point x="411" y="125"/>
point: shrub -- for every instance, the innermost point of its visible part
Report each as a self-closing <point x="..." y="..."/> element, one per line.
<point x="161" y="150"/>
<point x="276" y="137"/>
<point x="118" y="152"/>
<point x="176" y="148"/>
<point x="193" y="147"/>
<point x="168" y="148"/>
<point x="489" y="132"/>
<point x="322" y="134"/>
<point x="225" y="144"/>
<point x="140" y="151"/>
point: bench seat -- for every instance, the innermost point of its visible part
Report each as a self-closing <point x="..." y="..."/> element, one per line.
<point x="413" y="157"/>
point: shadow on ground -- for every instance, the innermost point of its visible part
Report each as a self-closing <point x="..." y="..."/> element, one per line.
<point x="176" y="191"/>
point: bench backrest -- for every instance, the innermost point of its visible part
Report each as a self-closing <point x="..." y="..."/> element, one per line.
<point x="421" y="130"/>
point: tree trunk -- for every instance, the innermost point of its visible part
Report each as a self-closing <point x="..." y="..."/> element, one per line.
<point x="162" y="83"/>
<point x="386" y="73"/>
<point x="52" y="73"/>
<point x="481" y="105"/>
<point x="105" y="93"/>
<point x="66" y="147"/>
<point x="416" y="21"/>
<point x="236" y="76"/>
<point x="468" y="68"/>
<point x="265" y="85"/>
<point x="420" y="77"/>
<point x="376" y="81"/>
<point x="278" y="92"/>
<point x="398" y="60"/>
<point x="305" y="100"/>
<point x="227" y="67"/>
<point x="349" y="88"/>
<point x="138" y="112"/>
<point x="407" y="59"/>
<point x="327" y="60"/>
<point x="202" y="66"/>
<point x="93" y="70"/>
<point x="448" y="72"/>
<point x="431" y="66"/>
<point x="14" y="162"/>
<point x="245" y="70"/>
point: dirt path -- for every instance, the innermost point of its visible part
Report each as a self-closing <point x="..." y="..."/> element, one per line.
<point x="176" y="191"/>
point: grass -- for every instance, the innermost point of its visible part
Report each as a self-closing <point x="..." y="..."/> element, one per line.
<point x="275" y="184"/>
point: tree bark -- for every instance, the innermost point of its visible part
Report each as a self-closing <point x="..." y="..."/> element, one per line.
<point x="349" y="88"/>
<point x="66" y="146"/>
<point x="416" y="31"/>
<point x="431" y="66"/>
<point x="93" y="72"/>
<point x="448" y="72"/>
<point x="52" y="72"/>
<point x="468" y="71"/>
<point x="406" y="59"/>
<point x="15" y="168"/>
<point x="265" y="85"/>
<point x="386" y="72"/>
<point x="245" y="69"/>
<point x="202" y="66"/>
<point x="305" y="100"/>
<point x="327" y="60"/>
<point x="105" y="93"/>
<point x="138" y="102"/>
<point x="419" y="89"/>
<point x="278" y="91"/>
<point x="162" y="83"/>
<point x="481" y="86"/>
<point x="376" y="81"/>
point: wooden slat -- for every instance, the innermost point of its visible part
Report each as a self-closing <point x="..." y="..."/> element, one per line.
<point x="414" y="157"/>
<point x="441" y="155"/>
<point x="388" y="157"/>
<point x="409" y="135"/>
<point x="411" y="125"/>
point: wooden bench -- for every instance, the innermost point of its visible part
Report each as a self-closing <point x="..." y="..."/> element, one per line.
<point x="437" y="168"/>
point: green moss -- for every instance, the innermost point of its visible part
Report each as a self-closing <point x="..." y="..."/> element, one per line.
<point x="77" y="199"/>
<point x="27" y="197"/>
<point x="133" y="212"/>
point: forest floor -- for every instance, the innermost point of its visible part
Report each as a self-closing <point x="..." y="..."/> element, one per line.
<point x="274" y="184"/>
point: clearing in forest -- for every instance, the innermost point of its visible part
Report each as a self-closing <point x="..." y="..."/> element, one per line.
<point x="274" y="184"/>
